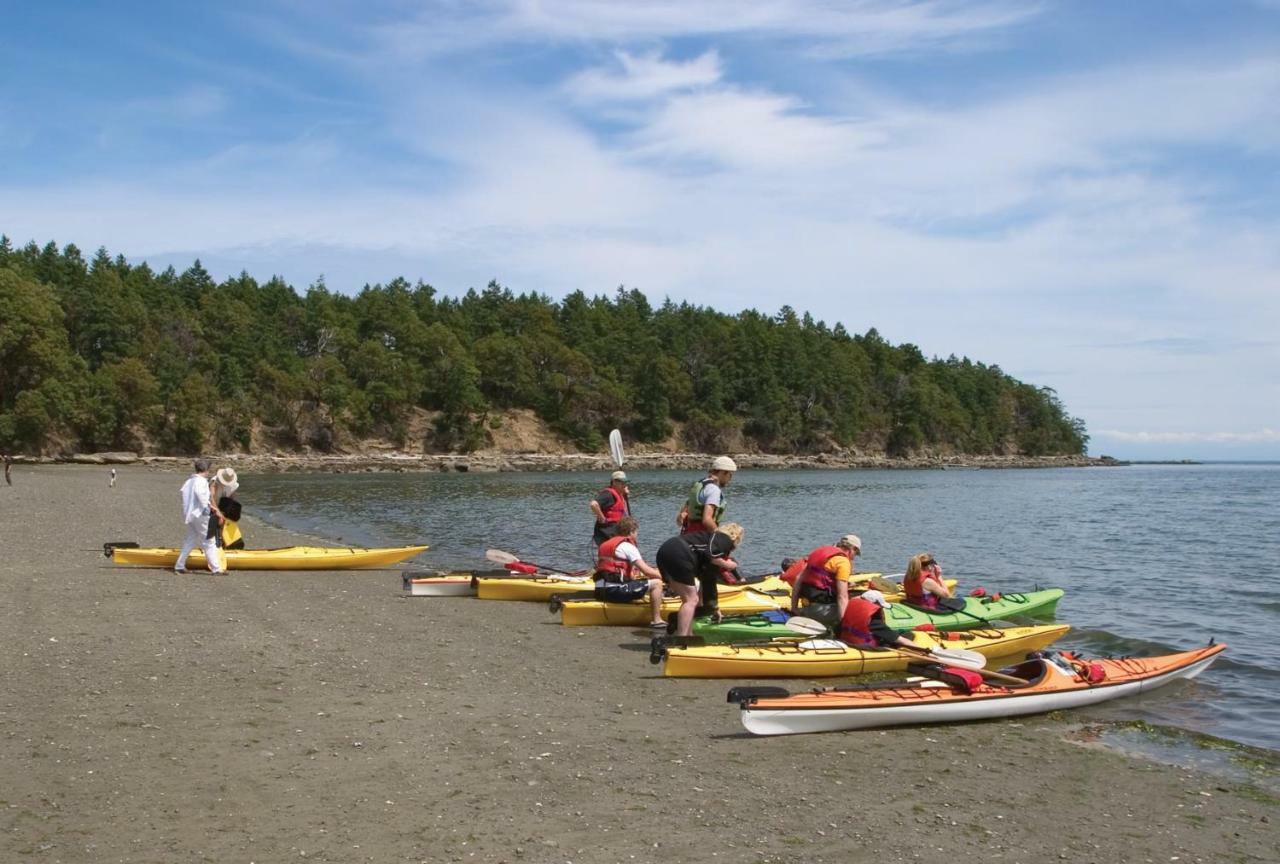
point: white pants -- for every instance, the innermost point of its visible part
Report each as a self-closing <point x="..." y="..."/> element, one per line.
<point x="196" y="536"/>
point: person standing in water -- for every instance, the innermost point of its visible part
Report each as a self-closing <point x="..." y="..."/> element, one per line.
<point x="707" y="499"/>
<point x="610" y="507"/>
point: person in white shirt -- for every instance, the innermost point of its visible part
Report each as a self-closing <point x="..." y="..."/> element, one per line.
<point x="622" y="575"/>
<point x="197" y="508"/>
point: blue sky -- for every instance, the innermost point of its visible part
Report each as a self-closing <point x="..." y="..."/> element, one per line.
<point x="1084" y="193"/>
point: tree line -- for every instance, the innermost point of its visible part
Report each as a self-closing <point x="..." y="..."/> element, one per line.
<point x="104" y="354"/>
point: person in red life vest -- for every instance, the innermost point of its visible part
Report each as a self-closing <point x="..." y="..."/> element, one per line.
<point x="688" y="561"/>
<point x="923" y="584"/>
<point x="611" y="505"/>
<point x="707" y="499"/>
<point x="622" y="575"/>
<point x="823" y="581"/>
<point x="862" y="624"/>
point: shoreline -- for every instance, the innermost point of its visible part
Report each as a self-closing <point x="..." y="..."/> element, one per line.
<point x="273" y="716"/>
<point x="495" y="462"/>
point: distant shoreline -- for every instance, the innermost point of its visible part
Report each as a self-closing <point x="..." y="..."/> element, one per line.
<point x="494" y="462"/>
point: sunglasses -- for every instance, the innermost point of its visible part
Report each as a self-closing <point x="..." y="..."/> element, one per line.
<point x="929" y="563"/>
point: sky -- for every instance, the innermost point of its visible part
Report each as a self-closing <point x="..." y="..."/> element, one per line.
<point x="1086" y="194"/>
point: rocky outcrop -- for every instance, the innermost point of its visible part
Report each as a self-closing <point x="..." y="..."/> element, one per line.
<point x="493" y="462"/>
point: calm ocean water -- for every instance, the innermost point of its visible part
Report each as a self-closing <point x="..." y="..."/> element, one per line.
<point x="1153" y="558"/>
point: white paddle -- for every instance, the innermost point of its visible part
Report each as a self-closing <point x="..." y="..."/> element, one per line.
<point x="615" y="448"/>
<point x="805" y="626"/>
<point x="955" y="656"/>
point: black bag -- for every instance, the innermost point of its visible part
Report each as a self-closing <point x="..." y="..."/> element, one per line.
<point x="621" y="592"/>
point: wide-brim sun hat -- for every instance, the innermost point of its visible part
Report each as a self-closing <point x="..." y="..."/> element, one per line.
<point x="228" y="482"/>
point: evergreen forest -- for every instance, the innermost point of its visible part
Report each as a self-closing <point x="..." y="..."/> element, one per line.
<point x="102" y="354"/>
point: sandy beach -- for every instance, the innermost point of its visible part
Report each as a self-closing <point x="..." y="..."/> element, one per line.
<point x="260" y="717"/>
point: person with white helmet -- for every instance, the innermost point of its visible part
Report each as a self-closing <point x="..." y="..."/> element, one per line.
<point x="707" y="500"/>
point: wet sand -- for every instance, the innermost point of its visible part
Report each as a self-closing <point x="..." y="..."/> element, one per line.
<point x="259" y="717"/>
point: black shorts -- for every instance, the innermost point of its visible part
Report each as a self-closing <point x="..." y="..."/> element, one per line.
<point x="621" y="592"/>
<point x="677" y="563"/>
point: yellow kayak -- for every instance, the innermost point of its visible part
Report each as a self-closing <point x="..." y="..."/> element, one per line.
<point x="828" y="657"/>
<point x="287" y="558"/>
<point x="543" y="586"/>
<point x="538" y="588"/>
<point x="776" y="586"/>
<point x="585" y="613"/>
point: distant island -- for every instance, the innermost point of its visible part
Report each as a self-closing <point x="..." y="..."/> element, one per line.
<point x="105" y="355"/>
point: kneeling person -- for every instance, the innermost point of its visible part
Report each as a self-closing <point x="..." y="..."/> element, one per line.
<point x="617" y="563"/>
<point x="863" y="624"/>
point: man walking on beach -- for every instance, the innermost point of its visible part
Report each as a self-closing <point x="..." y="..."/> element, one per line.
<point x="197" y="507"/>
<point x="8" y="468"/>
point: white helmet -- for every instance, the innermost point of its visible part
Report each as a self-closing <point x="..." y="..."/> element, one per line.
<point x="724" y="463"/>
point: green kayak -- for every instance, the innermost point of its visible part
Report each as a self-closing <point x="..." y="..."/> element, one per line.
<point x="978" y="612"/>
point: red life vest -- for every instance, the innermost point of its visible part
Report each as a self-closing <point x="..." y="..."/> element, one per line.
<point x="608" y="565"/>
<point x="913" y="588"/>
<point x="617" y="509"/>
<point x="816" y="574"/>
<point x="855" y="626"/>
<point x="792" y="573"/>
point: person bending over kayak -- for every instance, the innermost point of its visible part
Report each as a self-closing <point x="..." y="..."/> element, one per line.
<point x="923" y="583"/>
<point x="689" y="560"/>
<point x="863" y="626"/>
<point x="611" y="505"/>
<point x="823" y="582"/>
<point x="707" y="499"/>
<point x="618" y="562"/>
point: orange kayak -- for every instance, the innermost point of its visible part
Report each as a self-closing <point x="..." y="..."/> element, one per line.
<point x="1040" y="684"/>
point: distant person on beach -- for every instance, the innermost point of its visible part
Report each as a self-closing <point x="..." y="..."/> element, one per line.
<point x="923" y="583"/>
<point x="112" y="482"/>
<point x="610" y="506"/>
<point x="862" y="624"/>
<point x="688" y="561"/>
<point x="222" y="490"/>
<point x="622" y="574"/>
<point x="823" y="581"/>
<point x="197" y="510"/>
<point x="707" y="498"/>
<point x="8" y="469"/>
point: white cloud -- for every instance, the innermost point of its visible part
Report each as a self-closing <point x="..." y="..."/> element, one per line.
<point x="644" y="76"/>
<point x="850" y="28"/>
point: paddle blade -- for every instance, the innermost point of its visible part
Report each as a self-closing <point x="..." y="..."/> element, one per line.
<point x="806" y="626"/>
<point x="499" y="557"/>
<point x="615" y="448"/>
<point x="960" y="657"/>
<point x="883" y="585"/>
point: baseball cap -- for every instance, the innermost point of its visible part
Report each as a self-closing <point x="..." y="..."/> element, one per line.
<point x="875" y="597"/>
<point x="618" y="475"/>
<point x="852" y="540"/>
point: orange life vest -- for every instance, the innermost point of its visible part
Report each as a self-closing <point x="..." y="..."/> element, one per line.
<point x="608" y="566"/>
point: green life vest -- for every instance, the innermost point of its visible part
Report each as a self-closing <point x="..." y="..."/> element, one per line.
<point x="695" y="506"/>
